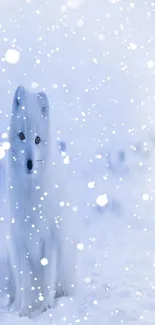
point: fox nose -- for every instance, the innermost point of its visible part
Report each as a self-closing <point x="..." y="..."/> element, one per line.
<point x="29" y="164"/>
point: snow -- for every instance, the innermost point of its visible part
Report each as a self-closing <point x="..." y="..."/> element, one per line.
<point x="2" y="153"/>
<point x="102" y="200"/>
<point x="74" y="4"/>
<point x="6" y="145"/>
<point x="12" y="56"/>
<point x="150" y="64"/>
<point x="95" y="60"/>
<point x="44" y="261"/>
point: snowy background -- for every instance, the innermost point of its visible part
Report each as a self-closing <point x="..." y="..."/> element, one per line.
<point x="96" y="61"/>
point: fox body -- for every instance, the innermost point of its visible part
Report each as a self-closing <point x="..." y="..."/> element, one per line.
<point x="33" y="243"/>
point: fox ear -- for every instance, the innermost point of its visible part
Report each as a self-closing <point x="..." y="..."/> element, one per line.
<point x="43" y="103"/>
<point x="18" y="97"/>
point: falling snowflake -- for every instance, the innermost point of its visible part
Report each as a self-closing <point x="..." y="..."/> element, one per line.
<point x="12" y="56"/>
<point x="133" y="46"/>
<point x="4" y="136"/>
<point x="55" y="86"/>
<point x="74" y="4"/>
<point x="34" y="85"/>
<point x="2" y="153"/>
<point x="102" y="200"/>
<point x="6" y="145"/>
<point x="41" y="298"/>
<point x="66" y="160"/>
<point x="91" y="184"/>
<point x="145" y="197"/>
<point x="37" y="61"/>
<point x="150" y="64"/>
<point x="80" y="23"/>
<point x="87" y="280"/>
<point x="80" y="246"/>
<point x="44" y="261"/>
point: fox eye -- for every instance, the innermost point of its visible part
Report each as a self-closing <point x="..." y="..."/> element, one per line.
<point x="22" y="136"/>
<point x="37" y="140"/>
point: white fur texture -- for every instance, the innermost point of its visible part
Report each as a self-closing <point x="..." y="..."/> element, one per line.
<point x="34" y="231"/>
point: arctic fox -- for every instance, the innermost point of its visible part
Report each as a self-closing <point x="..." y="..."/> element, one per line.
<point x="35" y="259"/>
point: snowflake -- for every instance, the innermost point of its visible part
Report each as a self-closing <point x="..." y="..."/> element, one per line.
<point x="80" y="246"/>
<point x="2" y="153"/>
<point x="102" y="200"/>
<point x="44" y="261"/>
<point x="12" y="56"/>
<point x="150" y="64"/>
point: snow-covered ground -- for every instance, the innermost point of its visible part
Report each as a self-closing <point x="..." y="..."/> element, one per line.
<point x="96" y="61"/>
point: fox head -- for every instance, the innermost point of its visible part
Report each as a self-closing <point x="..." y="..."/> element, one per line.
<point x="29" y="132"/>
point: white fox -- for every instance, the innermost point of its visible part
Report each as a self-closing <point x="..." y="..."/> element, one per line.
<point x="35" y="258"/>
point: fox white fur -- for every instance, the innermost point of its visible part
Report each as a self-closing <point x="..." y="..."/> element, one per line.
<point x="34" y="239"/>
